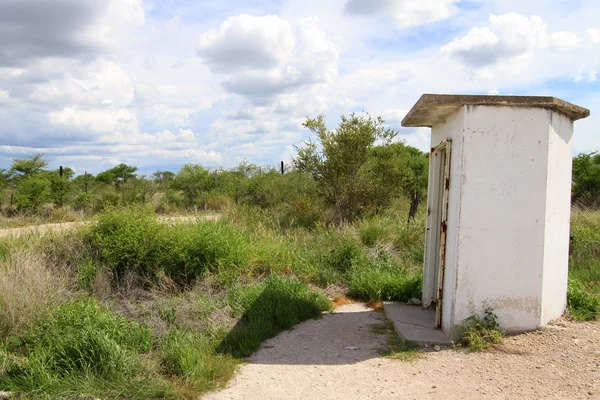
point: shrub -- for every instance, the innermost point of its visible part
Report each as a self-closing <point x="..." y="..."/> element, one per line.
<point x="583" y="305"/>
<point x="268" y="308"/>
<point x="189" y="250"/>
<point x="127" y="240"/>
<point x="384" y="279"/>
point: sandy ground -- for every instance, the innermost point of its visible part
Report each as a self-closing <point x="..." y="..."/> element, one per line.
<point x="41" y="229"/>
<point x="310" y="362"/>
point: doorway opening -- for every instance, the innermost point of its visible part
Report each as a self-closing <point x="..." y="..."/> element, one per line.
<point x="435" y="239"/>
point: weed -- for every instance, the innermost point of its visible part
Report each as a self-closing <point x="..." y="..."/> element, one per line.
<point x="480" y="333"/>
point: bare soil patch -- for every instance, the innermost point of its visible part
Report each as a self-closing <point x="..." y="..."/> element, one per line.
<point x="63" y="226"/>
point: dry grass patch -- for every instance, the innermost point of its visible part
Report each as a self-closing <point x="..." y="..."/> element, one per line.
<point x="28" y="286"/>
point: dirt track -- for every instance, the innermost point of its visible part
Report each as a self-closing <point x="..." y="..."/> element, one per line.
<point x="40" y="229"/>
<point x="310" y="362"/>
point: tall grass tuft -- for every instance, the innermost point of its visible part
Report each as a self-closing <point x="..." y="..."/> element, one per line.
<point x="384" y="279"/>
<point x="28" y="285"/>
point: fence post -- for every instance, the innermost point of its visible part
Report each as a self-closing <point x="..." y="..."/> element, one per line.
<point x="123" y="189"/>
<point x="282" y="170"/>
<point x="414" y="204"/>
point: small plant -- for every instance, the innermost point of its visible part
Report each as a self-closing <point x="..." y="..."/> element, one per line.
<point x="482" y="333"/>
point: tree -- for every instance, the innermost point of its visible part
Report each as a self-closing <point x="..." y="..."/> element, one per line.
<point x="337" y="159"/>
<point x="28" y="166"/>
<point x="192" y="180"/>
<point x="116" y="174"/>
<point x="60" y="186"/>
<point x="586" y="179"/>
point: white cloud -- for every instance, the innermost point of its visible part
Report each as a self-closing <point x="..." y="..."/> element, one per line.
<point x="589" y="76"/>
<point x="246" y="41"/>
<point x="508" y="36"/>
<point x="593" y="36"/>
<point x="564" y="40"/>
<point x="113" y="121"/>
<point x="406" y="13"/>
<point x="263" y="57"/>
<point x="33" y="29"/>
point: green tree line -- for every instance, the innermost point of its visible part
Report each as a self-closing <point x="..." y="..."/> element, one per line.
<point x="356" y="169"/>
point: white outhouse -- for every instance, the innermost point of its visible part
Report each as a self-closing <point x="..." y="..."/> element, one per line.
<point x="498" y="207"/>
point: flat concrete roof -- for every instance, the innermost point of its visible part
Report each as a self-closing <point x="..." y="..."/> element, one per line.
<point x="432" y="109"/>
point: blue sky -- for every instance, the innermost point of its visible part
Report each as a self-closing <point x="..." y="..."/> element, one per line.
<point x="160" y="83"/>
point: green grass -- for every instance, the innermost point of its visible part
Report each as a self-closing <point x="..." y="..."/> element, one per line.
<point x="384" y="279"/>
<point x="81" y="347"/>
<point x="196" y="298"/>
<point x="191" y="359"/>
<point x="583" y="305"/>
<point x="584" y="265"/>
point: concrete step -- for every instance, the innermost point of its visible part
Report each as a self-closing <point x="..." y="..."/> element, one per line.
<point x="415" y="324"/>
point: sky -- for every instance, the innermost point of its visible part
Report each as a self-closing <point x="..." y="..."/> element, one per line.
<point x="160" y="83"/>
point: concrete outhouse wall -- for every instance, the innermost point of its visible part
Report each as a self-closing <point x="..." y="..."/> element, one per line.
<point x="558" y="215"/>
<point x="508" y="215"/>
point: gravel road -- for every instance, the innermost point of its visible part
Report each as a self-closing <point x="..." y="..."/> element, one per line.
<point x="311" y="362"/>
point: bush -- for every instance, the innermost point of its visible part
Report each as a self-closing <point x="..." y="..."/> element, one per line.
<point x="268" y="308"/>
<point x="187" y="251"/>
<point x="127" y="240"/>
<point x="384" y="279"/>
<point x="83" y="348"/>
<point x="133" y="240"/>
<point x="583" y="305"/>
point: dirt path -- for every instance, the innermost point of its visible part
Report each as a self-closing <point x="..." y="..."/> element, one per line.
<point x="41" y="229"/>
<point x="310" y="362"/>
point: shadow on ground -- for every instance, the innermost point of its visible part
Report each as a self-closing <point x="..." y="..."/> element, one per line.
<point x="343" y="337"/>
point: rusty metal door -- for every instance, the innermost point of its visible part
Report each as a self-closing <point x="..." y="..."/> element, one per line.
<point x="437" y="225"/>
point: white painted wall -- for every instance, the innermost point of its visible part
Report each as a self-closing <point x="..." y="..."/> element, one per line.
<point x="558" y="215"/>
<point x="508" y="227"/>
